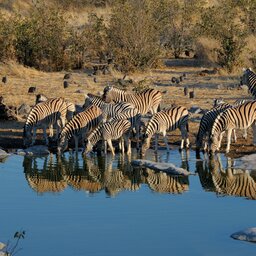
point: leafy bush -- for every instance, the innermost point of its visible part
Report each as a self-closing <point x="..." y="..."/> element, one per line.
<point x="221" y="23"/>
<point x="133" y="37"/>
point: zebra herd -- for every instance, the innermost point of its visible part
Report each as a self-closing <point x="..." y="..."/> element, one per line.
<point x="119" y="115"/>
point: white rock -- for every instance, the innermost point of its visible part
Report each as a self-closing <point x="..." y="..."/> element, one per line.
<point x="2" y="245"/>
<point x="248" y="234"/>
<point x="34" y="150"/>
<point x="247" y="162"/>
<point x="3" y="154"/>
<point x="164" y="167"/>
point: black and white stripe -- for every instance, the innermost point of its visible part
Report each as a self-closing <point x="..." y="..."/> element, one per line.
<point x="166" y="120"/>
<point x="107" y="132"/>
<point x="206" y="123"/>
<point x="146" y="101"/>
<point x="240" y="117"/>
<point x="79" y="126"/>
<point x="249" y="78"/>
<point x="109" y="110"/>
<point x="45" y="114"/>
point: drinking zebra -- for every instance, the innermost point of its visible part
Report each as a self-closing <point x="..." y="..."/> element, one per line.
<point x="71" y="108"/>
<point x="146" y="101"/>
<point x="163" y="121"/>
<point x="249" y="78"/>
<point x="109" y="110"/>
<point x="79" y="126"/>
<point x="45" y="114"/>
<point x="107" y="132"/>
<point x="206" y="123"/>
<point x="240" y="117"/>
<point x="134" y="117"/>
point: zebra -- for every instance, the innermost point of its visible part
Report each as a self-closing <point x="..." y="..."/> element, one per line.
<point x="109" y="110"/>
<point x="219" y="105"/>
<point x="161" y="122"/>
<point x="80" y="125"/>
<point x="107" y="132"/>
<point x="206" y="123"/>
<point x="145" y="101"/>
<point x="45" y="114"/>
<point x="71" y="108"/>
<point x="249" y="78"/>
<point x="240" y="117"/>
<point x="134" y="117"/>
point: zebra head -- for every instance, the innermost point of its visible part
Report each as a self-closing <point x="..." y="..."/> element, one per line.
<point x="145" y="144"/>
<point x="213" y="143"/>
<point x="62" y="143"/>
<point x="107" y="93"/>
<point x="27" y="136"/>
<point x="244" y="79"/>
<point x="88" y="147"/>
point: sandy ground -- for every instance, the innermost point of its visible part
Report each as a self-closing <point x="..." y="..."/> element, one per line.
<point x="205" y="86"/>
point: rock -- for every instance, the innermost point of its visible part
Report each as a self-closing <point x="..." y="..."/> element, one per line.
<point x="2" y="253"/>
<point x="6" y="113"/>
<point x="164" y="167"/>
<point x="34" y="150"/>
<point x="248" y="235"/>
<point x="247" y="162"/>
<point x="3" y="154"/>
<point x="24" y="109"/>
<point x="2" y="246"/>
<point x="31" y="89"/>
<point x="65" y="84"/>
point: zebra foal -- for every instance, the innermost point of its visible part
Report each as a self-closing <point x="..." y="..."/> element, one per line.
<point x="109" y="110"/>
<point x="163" y="121"/>
<point x="113" y="130"/>
<point x="79" y="126"/>
<point x="44" y="114"/>
<point x="145" y="101"/>
<point x="240" y="117"/>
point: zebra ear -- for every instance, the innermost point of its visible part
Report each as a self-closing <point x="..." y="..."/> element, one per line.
<point x="244" y="69"/>
<point x="250" y="69"/>
<point x="86" y="96"/>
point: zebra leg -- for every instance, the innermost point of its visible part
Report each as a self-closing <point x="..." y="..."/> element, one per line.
<point x="34" y="136"/>
<point x="245" y="134"/>
<point x="76" y="143"/>
<point x="128" y="143"/>
<point x="228" y="140"/>
<point x="50" y="130"/>
<point x="45" y="135"/>
<point x="254" y="133"/>
<point x="111" y="146"/>
<point x="156" y="143"/>
<point x="166" y="142"/>
<point x="234" y="135"/>
<point x="220" y="139"/>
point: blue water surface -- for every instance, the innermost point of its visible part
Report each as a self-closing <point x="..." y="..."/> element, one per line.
<point x="72" y="206"/>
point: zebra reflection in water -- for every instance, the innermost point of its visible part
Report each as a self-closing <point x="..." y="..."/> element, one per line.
<point x="55" y="174"/>
<point x="226" y="181"/>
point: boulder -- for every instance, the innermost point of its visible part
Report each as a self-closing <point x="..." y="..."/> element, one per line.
<point x="247" y="162"/>
<point x="3" y="155"/>
<point x="164" y="167"/>
<point x="2" y="246"/>
<point x="248" y="235"/>
<point x="37" y="150"/>
<point x="24" y="109"/>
